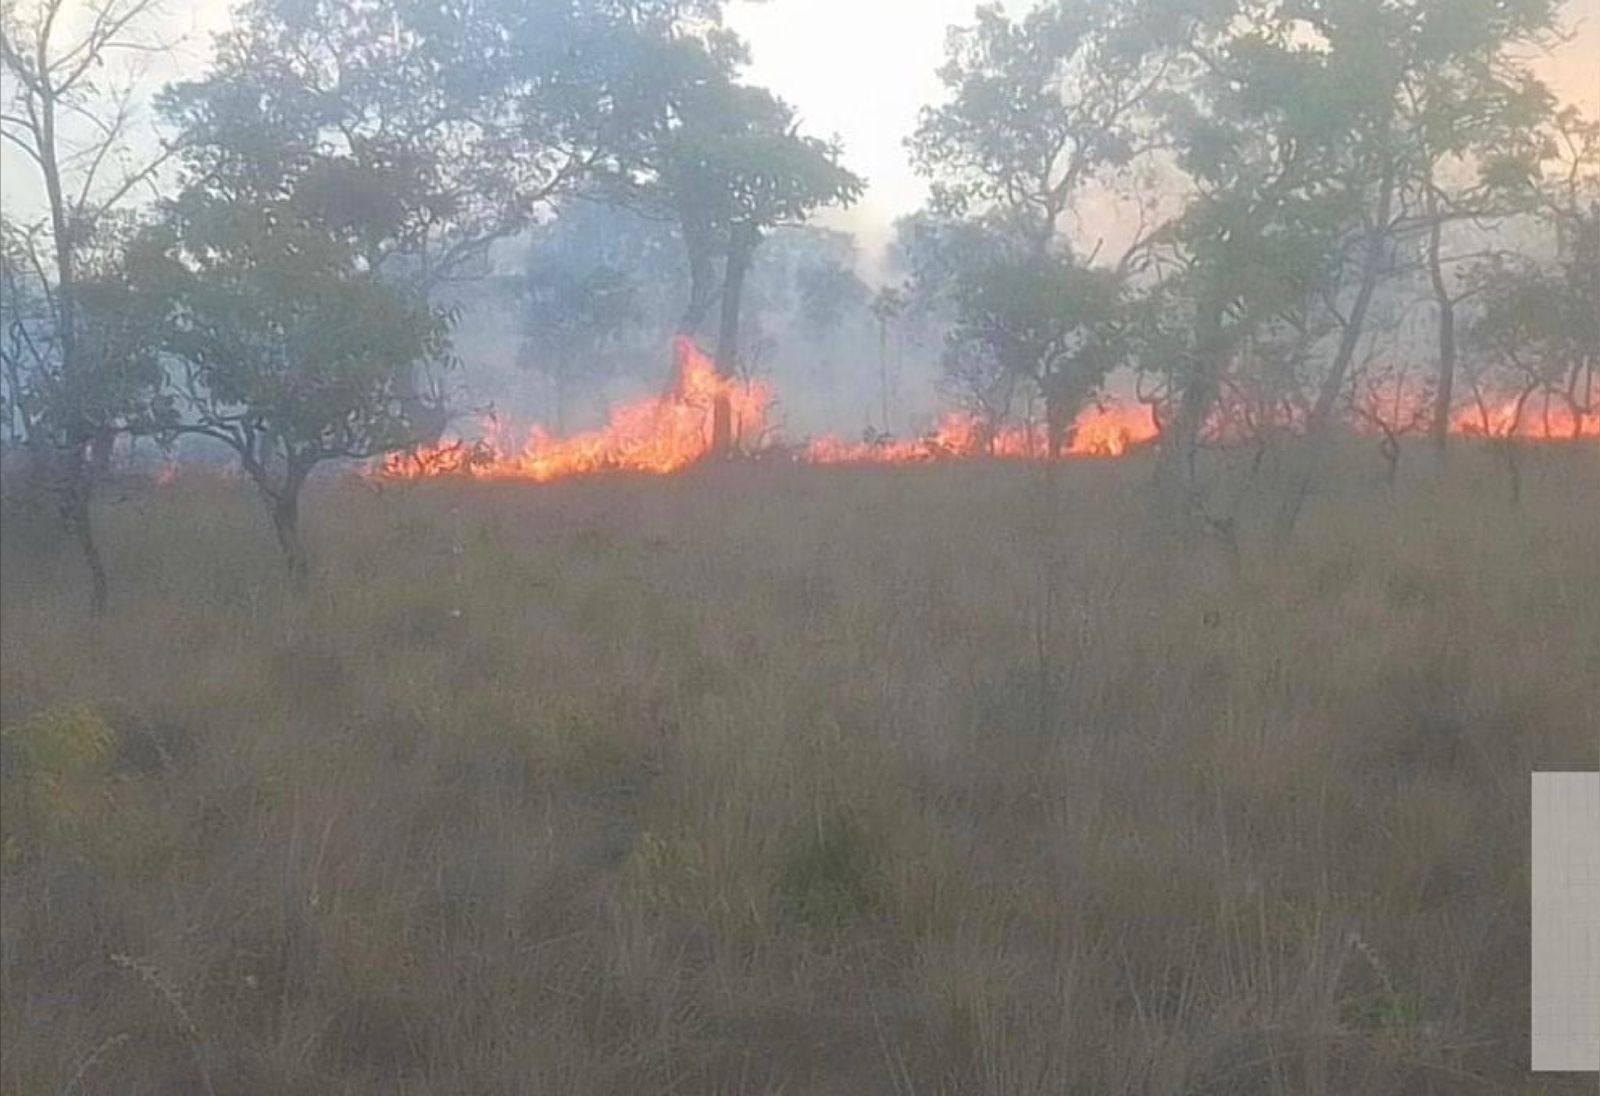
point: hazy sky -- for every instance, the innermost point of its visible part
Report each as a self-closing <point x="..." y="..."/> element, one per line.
<point x="861" y="69"/>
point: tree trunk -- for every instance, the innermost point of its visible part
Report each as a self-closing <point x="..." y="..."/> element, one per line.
<point x="286" y="524"/>
<point x="740" y="250"/>
<point x="75" y="485"/>
<point x="698" y="246"/>
<point x="101" y="445"/>
<point x="1318" y="426"/>
<point x="24" y="421"/>
<point x="1510" y="454"/>
<point x="702" y="289"/>
<point x="83" y="532"/>
<point x="883" y="371"/>
<point x="702" y="285"/>
<point x="61" y="232"/>
<point x="76" y="473"/>
<point x="1350" y="337"/>
<point x="1390" y="448"/>
<point x="283" y="505"/>
<point x="1444" y="394"/>
<point x="1058" y="416"/>
<point x="1180" y="438"/>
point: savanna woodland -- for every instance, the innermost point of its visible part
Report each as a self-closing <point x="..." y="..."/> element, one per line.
<point x="510" y="587"/>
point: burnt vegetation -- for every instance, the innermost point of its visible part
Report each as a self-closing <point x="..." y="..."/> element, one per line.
<point x="356" y="738"/>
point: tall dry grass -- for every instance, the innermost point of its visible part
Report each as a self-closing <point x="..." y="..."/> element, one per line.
<point x="943" y="780"/>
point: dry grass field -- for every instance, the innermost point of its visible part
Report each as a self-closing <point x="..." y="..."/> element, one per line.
<point x="938" y="780"/>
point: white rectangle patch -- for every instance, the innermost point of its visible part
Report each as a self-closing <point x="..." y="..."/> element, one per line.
<point x="1566" y="921"/>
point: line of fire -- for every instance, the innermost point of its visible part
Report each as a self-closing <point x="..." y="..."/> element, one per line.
<point x="665" y="434"/>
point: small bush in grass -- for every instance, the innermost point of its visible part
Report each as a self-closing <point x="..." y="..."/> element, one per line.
<point x="831" y="875"/>
<point x="29" y="523"/>
<point x="665" y="871"/>
<point x="52" y="770"/>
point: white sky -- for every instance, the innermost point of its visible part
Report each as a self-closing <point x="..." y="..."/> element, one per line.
<point x="861" y="70"/>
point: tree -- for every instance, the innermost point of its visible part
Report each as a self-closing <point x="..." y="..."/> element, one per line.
<point x="656" y="62"/>
<point x="1040" y="109"/>
<point x="24" y="320"/>
<point x="587" y="234"/>
<point x="830" y="297"/>
<point x="112" y="388"/>
<point x="1262" y="132"/>
<point x="978" y="382"/>
<point x="74" y="365"/>
<point x="289" y="351"/>
<point x="1460" y="130"/>
<point x="572" y="316"/>
<point x="684" y="141"/>
<point x="736" y="168"/>
<point x="1445" y="89"/>
<point x="1050" y="321"/>
<point x="422" y="131"/>
<point x="1312" y="138"/>
<point x="345" y="161"/>
<point x="1054" y="325"/>
<point x="1538" y="332"/>
<point x="1387" y="394"/>
<point x="888" y="308"/>
<point x="312" y="221"/>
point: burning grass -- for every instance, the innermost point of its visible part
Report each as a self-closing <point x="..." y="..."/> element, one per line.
<point x="670" y="432"/>
<point x="780" y="779"/>
<point x="658" y="435"/>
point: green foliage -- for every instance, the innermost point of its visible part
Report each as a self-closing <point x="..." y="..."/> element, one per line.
<point x="829" y="294"/>
<point x="53" y="769"/>
<point x="1038" y="108"/>
<point x="1019" y="315"/>
<point x="572" y="316"/>
<point x="727" y="156"/>
<point x="78" y="360"/>
<point x="830" y="875"/>
<point x="601" y="289"/>
<point x="666" y="872"/>
<point x="111" y="381"/>
<point x="723" y="160"/>
<point x="293" y="263"/>
<point x="1319" y="141"/>
<point x="288" y="348"/>
<point x="419" y="132"/>
<point x="1538" y="324"/>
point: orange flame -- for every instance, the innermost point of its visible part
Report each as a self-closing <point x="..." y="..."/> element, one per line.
<point x="1532" y="420"/>
<point x="1097" y="432"/>
<point x="659" y="436"/>
<point x="653" y="436"/>
<point x="1112" y="431"/>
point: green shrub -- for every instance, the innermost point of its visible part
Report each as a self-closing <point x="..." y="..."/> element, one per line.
<point x="53" y="771"/>
<point x="831" y="875"/>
